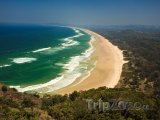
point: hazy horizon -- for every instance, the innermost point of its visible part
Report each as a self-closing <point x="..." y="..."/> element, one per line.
<point x="81" y="12"/>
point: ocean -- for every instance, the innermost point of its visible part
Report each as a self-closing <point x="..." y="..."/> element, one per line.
<point x="43" y="58"/>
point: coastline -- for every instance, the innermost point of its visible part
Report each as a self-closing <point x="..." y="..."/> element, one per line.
<point x="108" y="69"/>
<point x="72" y="67"/>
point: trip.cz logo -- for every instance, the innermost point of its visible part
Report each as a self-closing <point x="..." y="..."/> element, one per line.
<point x="115" y="105"/>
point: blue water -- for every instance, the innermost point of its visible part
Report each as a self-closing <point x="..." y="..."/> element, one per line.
<point x="36" y="54"/>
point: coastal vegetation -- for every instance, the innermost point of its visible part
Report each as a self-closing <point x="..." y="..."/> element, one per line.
<point x="142" y="51"/>
<point x="138" y="88"/>
<point x="20" y="106"/>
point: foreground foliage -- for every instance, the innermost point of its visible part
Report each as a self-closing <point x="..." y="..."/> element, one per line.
<point x="20" y="106"/>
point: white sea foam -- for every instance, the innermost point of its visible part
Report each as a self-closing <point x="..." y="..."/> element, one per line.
<point x="59" y="64"/>
<point x="70" y="43"/>
<point x="6" y="65"/>
<point x="42" y="49"/>
<point x="53" y="50"/>
<point x="70" y="40"/>
<point x="67" y="42"/>
<point x="38" y="86"/>
<point x="71" y="73"/>
<point x="23" y="60"/>
<point x="88" y="74"/>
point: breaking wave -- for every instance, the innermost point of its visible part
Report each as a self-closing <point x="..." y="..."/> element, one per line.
<point x="71" y="73"/>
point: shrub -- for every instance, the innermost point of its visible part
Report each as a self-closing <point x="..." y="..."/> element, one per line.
<point x="73" y="95"/>
<point x="27" y="103"/>
<point x="14" y="89"/>
<point x="4" y="88"/>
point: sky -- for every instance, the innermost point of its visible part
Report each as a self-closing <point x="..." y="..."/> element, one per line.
<point x="81" y="12"/>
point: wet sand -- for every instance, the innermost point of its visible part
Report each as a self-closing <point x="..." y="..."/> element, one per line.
<point x="108" y="69"/>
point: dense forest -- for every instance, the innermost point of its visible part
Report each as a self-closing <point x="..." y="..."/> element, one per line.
<point x="124" y="104"/>
<point x="136" y="97"/>
<point x="142" y="51"/>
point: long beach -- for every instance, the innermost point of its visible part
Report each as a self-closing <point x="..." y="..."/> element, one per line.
<point x="108" y="68"/>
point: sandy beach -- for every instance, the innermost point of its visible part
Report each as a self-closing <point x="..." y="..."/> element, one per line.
<point x="108" y="69"/>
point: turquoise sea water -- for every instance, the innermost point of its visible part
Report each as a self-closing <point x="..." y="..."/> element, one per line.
<point x="31" y="55"/>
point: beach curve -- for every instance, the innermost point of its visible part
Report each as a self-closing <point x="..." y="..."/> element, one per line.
<point x="108" y="69"/>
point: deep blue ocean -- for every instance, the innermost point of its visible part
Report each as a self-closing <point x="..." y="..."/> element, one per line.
<point x="37" y="54"/>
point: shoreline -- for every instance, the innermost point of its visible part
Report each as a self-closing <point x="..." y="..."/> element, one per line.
<point x="68" y="76"/>
<point x="108" y="69"/>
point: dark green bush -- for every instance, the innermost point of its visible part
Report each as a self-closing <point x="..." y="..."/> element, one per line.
<point x="28" y="103"/>
<point x="4" y="88"/>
